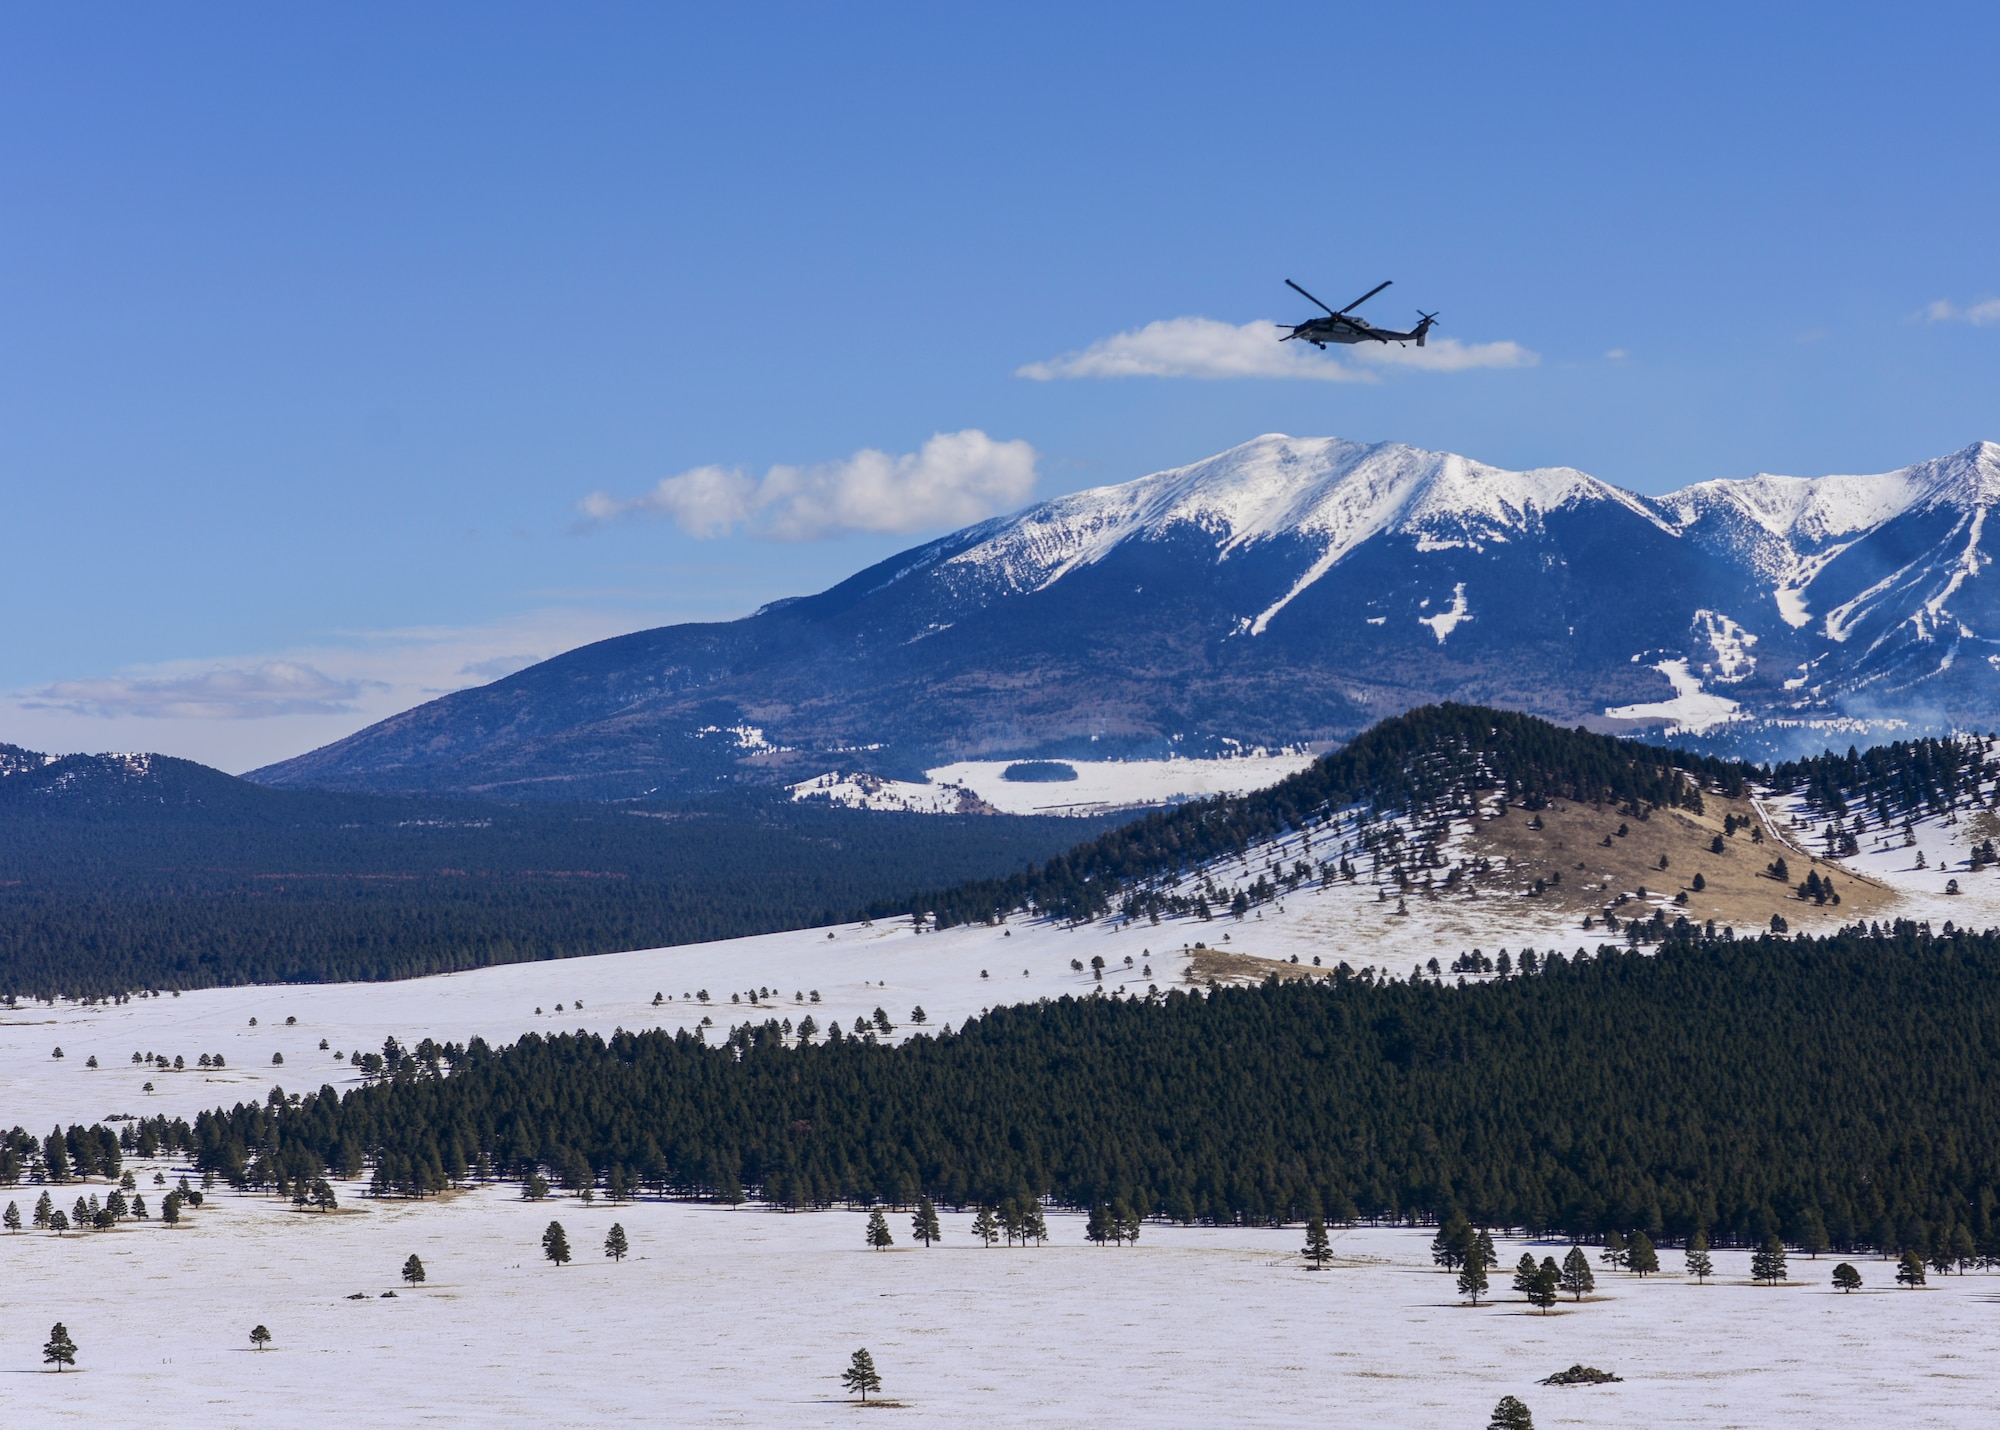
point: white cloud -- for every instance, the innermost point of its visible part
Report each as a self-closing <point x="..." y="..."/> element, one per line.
<point x="242" y="692"/>
<point x="1446" y="355"/>
<point x="237" y="713"/>
<point x="1206" y="348"/>
<point x="956" y="478"/>
<point x="1980" y="315"/>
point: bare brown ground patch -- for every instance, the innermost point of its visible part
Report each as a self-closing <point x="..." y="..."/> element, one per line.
<point x="1215" y="965"/>
<point x="1581" y="843"/>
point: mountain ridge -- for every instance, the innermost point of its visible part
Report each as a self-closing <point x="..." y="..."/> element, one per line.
<point x="1289" y="590"/>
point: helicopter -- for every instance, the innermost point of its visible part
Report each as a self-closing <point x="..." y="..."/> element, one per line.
<point x="1343" y="327"/>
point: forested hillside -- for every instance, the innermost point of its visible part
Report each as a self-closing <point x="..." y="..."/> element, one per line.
<point x="1431" y="763"/>
<point x="1845" y="1088"/>
<point x="175" y="876"/>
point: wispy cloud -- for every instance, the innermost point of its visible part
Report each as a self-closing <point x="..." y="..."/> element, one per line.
<point x="955" y="478"/>
<point x="239" y="712"/>
<point x="243" y="692"/>
<point x="1981" y="315"/>
<point x="1206" y="348"/>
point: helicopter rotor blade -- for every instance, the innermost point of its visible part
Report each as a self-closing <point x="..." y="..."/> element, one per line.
<point x="1295" y="287"/>
<point x="1358" y="301"/>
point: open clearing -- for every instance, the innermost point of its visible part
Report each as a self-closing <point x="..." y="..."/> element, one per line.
<point x="747" y="1316"/>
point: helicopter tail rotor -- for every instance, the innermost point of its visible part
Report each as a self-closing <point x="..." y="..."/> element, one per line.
<point x="1424" y="325"/>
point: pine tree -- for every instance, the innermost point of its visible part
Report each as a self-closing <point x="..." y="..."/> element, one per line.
<point x="1640" y="1257"/>
<point x="984" y="1227"/>
<point x="1033" y="1227"/>
<point x="878" y="1231"/>
<point x="1472" y="1278"/>
<point x="59" y="1221"/>
<point x="1317" y="1249"/>
<point x="1698" y="1264"/>
<point x="615" y="1245"/>
<point x="860" y="1375"/>
<point x="61" y="1350"/>
<point x="1510" y="1414"/>
<point x="1542" y="1287"/>
<point x="260" y="1337"/>
<point x="1911" y="1272"/>
<point x="1526" y="1272"/>
<point x="1846" y="1278"/>
<point x="1124" y="1222"/>
<point x="1812" y="1233"/>
<point x="1577" y="1277"/>
<point x="12" y="1218"/>
<point x="42" y="1210"/>
<point x="1448" y="1246"/>
<point x="555" y="1245"/>
<point x="924" y="1223"/>
<point x="1097" y="1226"/>
<point x="413" y="1270"/>
<point x="1613" y="1254"/>
<point x="1487" y="1255"/>
<point x="170" y="1209"/>
<point x="1768" y="1262"/>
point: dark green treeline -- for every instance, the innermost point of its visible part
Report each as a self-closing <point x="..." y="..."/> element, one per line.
<point x="1748" y="1087"/>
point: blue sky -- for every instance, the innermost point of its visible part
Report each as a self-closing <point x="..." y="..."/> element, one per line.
<point x="325" y="327"/>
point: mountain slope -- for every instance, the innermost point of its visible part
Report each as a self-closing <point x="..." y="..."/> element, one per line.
<point x="1289" y="590"/>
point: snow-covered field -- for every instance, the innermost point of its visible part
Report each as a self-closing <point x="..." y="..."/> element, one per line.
<point x="1099" y="786"/>
<point x="746" y="1317"/>
<point x="951" y="975"/>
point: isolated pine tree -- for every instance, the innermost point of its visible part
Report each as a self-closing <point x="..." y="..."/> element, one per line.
<point x="1577" y="1277"/>
<point x="58" y="1221"/>
<point x="170" y="1209"/>
<point x="1911" y="1272"/>
<point x="615" y="1245"/>
<point x="1640" y="1257"/>
<point x="860" y="1376"/>
<point x="1846" y="1278"/>
<point x="1698" y="1264"/>
<point x="1768" y="1262"/>
<point x="1613" y="1254"/>
<point x="1484" y="1241"/>
<point x="1472" y="1276"/>
<point x="878" y="1231"/>
<point x="1510" y="1414"/>
<point x="61" y="1350"/>
<point x="1525" y="1272"/>
<point x="259" y="1337"/>
<point x="1542" y="1287"/>
<point x="413" y="1270"/>
<point x="924" y="1222"/>
<point x="12" y="1217"/>
<point x="985" y="1227"/>
<point x="555" y="1245"/>
<point x="43" y="1209"/>
<point x="1317" y="1248"/>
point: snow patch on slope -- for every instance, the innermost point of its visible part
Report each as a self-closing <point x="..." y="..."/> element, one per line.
<point x="1692" y="709"/>
<point x="1448" y="620"/>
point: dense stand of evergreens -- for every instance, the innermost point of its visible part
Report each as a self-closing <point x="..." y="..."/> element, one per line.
<point x="1849" y="1083"/>
<point x="1432" y="760"/>
<point x="1904" y="780"/>
<point x="219" y="882"/>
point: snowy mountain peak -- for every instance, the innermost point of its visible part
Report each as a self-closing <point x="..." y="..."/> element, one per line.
<point x="1333" y="493"/>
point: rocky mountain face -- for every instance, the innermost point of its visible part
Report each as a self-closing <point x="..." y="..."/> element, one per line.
<point x="1286" y="591"/>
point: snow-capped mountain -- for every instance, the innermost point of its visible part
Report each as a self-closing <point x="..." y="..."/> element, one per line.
<point x="1289" y="590"/>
